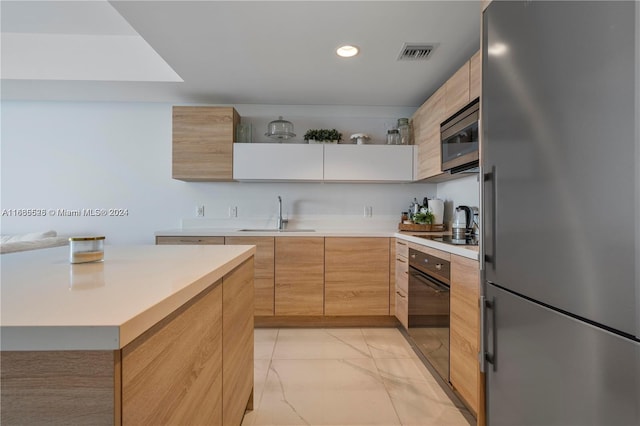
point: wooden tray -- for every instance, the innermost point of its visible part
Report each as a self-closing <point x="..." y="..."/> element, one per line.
<point x="421" y="227"/>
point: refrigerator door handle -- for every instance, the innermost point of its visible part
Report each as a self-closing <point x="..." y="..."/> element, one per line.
<point x="493" y="220"/>
<point x="484" y="356"/>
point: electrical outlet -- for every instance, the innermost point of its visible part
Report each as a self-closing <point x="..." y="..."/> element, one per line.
<point x="200" y="211"/>
<point x="368" y="211"/>
<point x="233" y="211"/>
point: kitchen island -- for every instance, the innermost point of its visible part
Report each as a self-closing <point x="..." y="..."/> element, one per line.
<point x="154" y="335"/>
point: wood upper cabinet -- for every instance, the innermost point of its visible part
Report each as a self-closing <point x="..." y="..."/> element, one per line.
<point x="264" y="271"/>
<point x="203" y="143"/>
<point x="461" y="88"/>
<point x="475" y="76"/>
<point x="299" y="276"/>
<point x="457" y="90"/>
<point x="465" y="328"/>
<point x="426" y="135"/>
<point x="356" y="276"/>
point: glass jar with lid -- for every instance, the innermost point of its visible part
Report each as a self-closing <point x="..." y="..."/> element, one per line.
<point x="404" y="130"/>
<point x="393" y="137"/>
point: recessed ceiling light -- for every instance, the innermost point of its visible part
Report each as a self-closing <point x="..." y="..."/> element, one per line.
<point x="347" y="51"/>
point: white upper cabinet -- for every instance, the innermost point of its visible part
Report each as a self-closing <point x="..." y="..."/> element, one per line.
<point x="274" y="161"/>
<point x="337" y="163"/>
<point x="372" y="163"/>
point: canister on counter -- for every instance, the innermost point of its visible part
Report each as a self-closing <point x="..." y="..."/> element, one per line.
<point x="86" y="249"/>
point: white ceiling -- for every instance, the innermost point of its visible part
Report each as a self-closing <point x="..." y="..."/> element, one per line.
<point x="236" y="52"/>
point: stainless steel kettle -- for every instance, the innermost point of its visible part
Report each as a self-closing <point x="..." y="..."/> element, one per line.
<point x="461" y="221"/>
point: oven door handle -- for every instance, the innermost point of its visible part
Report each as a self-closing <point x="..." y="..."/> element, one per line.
<point x="425" y="279"/>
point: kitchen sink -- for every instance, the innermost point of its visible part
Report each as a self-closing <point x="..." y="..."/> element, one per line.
<point x="276" y="230"/>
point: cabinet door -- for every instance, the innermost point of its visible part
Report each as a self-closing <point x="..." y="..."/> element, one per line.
<point x="203" y="143"/>
<point x="426" y="130"/>
<point x="172" y="373"/>
<point x="299" y="276"/>
<point x="475" y="76"/>
<point x="272" y="161"/>
<point x="356" y="276"/>
<point x="237" y="343"/>
<point x="264" y="271"/>
<point x="465" y="330"/>
<point x="379" y="163"/>
<point x="457" y="90"/>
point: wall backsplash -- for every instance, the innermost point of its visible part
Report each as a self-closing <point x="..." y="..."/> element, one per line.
<point x="73" y="156"/>
<point x="460" y="192"/>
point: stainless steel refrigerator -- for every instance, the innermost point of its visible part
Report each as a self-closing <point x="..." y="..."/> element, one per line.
<point x="560" y="162"/>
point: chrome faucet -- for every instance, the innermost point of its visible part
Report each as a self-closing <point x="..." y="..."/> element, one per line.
<point x="281" y="222"/>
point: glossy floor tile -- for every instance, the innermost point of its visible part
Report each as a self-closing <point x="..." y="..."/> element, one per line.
<point x="344" y="377"/>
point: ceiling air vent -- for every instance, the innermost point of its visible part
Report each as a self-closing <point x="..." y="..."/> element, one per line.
<point x="416" y="52"/>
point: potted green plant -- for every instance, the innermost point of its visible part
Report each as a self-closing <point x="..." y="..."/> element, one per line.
<point x="322" y="136"/>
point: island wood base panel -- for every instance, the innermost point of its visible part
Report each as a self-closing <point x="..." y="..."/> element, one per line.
<point x="60" y="387"/>
<point x="324" y="321"/>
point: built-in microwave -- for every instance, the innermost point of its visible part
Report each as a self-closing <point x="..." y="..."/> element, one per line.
<point x="459" y="139"/>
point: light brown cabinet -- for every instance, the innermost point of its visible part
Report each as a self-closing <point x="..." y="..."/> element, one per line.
<point x="264" y="271"/>
<point x="465" y="329"/>
<point x="475" y="76"/>
<point x="189" y="240"/>
<point x="402" y="283"/>
<point x="317" y="276"/>
<point x="299" y="276"/>
<point x="154" y="367"/>
<point x="461" y="88"/>
<point x="356" y="276"/>
<point x="202" y="148"/>
<point x="457" y="90"/>
<point x="426" y="130"/>
<point x="264" y="264"/>
<point x="237" y="344"/>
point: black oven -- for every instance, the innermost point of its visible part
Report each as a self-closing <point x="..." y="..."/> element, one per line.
<point x="459" y="139"/>
<point x="429" y="308"/>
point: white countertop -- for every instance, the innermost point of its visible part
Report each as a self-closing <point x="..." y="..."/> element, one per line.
<point x="49" y="304"/>
<point x="225" y="232"/>
<point x="470" y="252"/>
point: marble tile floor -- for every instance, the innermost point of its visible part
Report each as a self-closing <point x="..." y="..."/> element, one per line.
<point x="345" y="376"/>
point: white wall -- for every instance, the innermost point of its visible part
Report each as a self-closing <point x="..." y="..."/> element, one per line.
<point x="460" y="192"/>
<point x="68" y="155"/>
